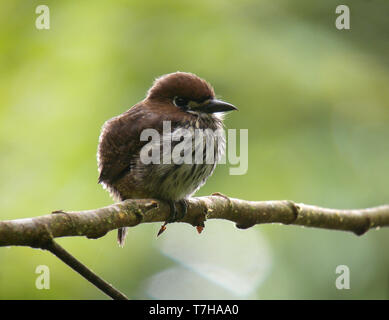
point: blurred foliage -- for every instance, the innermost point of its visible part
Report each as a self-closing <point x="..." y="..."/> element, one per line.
<point x="314" y="99"/>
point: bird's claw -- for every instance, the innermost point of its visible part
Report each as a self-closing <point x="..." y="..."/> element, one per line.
<point x="184" y="205"/>
<point x="174" y="214"/>
<point x="163" y="228"/>
<point x="199" y="229"/>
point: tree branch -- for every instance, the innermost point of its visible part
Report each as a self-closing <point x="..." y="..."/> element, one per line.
<point x="35" y="232"/>
<point x="39" y="232"/>
<point x="89" y="275"/>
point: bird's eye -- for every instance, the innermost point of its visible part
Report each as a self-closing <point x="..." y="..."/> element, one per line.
<point x="180" y="102"/>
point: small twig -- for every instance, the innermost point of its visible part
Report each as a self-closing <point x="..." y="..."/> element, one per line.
<point x="77" y="266"/>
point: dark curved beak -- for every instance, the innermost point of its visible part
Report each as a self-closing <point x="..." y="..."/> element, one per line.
<point x="215" y="105"/>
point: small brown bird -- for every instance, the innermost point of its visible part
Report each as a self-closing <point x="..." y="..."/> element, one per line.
<point x="185" y="102"/>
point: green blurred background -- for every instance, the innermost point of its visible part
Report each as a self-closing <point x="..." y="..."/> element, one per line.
<point x="315" y="101"/>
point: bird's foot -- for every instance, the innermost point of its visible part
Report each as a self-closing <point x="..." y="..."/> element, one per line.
<point x="175" y="215"/>
<point x="184" y="206"/>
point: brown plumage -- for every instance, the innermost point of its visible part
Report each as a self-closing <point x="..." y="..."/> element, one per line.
<point x="184" y="101"/>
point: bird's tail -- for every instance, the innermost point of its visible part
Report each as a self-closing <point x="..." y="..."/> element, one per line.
<point x="122" y="232"/>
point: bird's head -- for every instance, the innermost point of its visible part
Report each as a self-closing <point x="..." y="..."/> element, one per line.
<point x="187" y="92"/>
